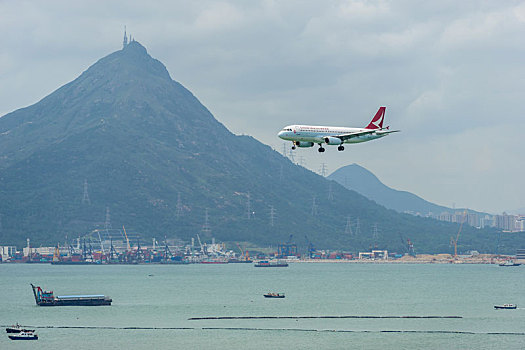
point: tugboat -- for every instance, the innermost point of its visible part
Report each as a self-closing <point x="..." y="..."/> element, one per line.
<point x="24" y="336"/>
<point x="506" y="307"/>
<point x="17" y="329"/>
<point x="274" y="295"/>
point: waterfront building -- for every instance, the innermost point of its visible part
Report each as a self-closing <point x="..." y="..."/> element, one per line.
<point x="7" y="252"/>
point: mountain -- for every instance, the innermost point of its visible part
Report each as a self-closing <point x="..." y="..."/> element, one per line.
<point x="359" y="179"/>
<point x="125" y="144"/>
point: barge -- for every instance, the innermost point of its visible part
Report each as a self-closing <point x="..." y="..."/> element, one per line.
<point x="47" y="298"/>
<point x="274" y="295"/>
<point x="272" y="263"/>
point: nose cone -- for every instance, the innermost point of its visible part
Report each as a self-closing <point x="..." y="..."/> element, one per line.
<point x="280" y="134"/>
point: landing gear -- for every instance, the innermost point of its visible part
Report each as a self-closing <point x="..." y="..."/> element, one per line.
<point x="293" y="145"/>
<point x="340" y="148"/>
<point x="321" y="149"/>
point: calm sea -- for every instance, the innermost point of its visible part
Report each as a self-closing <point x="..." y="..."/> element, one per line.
<point x="152" y="305"/>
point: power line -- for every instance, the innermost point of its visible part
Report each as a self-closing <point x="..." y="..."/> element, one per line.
<point x="272" y="215"/>
<point x="178" y="211"/>
<point x="323" y="169"/>
<point x="348" y="227"/>
<point x="375" y="235"/>
<point x="291" y="156"/>
<point x="330" y="192"/>
<point x="248" y="207"/>
<point x="357" y="228"/>
<point x="85" y="198"/>
<point x="314" y="207"/>
<point x="206" y="229"/>
<point x="107" y="223"/>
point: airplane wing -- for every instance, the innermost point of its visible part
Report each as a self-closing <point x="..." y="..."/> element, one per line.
<point x="365" y="132"/>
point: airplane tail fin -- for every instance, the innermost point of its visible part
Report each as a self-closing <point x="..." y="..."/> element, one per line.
<point x="377" y="121"/>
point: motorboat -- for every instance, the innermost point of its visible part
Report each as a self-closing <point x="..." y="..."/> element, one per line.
<point x="509" y="262"/>
<point x="506" y="307"/>
<point x="23" y="336"/>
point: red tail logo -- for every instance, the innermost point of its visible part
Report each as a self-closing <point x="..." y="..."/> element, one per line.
<point x="377" y="121"/>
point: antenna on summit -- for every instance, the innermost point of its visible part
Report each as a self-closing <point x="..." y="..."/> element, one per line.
<point x="125" y="41"/>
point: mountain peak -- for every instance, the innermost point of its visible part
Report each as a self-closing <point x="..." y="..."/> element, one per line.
<point x="131" y="62"/>
<point x="135" y="46"/>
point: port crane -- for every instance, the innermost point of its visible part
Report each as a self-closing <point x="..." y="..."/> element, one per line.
<point x="167" y="251"/>
<point x="113" y="256"/>
<point x="454" y="242"/>
<point x="410" y="248"/>
<point x="287" y="249"/>
<point x="408" y="245"/>
<point x="244" y="253"/>
<point x="311" y="248"/>
<point x="56" y="253"/>
<point x="200" y="243"/>
<point x="127" y="239"/>
<point x="139" y="254"/>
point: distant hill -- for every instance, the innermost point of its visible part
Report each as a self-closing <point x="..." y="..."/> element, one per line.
<point x="361" y="180"/>
<point x="519" y="211"/>
<point x="125" y="139"/>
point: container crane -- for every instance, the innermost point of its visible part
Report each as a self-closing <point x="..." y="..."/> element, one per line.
<point x="311" y="248"/>
<point x="200" y="243"/>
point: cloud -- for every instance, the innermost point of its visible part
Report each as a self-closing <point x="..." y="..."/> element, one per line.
<point x="450" y="74"/>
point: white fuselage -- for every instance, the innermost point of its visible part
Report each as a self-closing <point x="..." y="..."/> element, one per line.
<point x="317" y="134"/>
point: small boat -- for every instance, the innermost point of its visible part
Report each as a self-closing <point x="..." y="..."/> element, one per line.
<point x="23" y="336"/>
<point x="506" y="307"/>
<point x="17" y="329"/>
<point x="509" y="262"/>
<point x="274" y="295"/>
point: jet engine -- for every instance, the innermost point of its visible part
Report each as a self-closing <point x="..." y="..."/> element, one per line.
<point x="333" y="140"/>
<point x="304" y="144"/>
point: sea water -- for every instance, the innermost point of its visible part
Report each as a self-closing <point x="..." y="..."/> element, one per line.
<point x="153" y="306"/>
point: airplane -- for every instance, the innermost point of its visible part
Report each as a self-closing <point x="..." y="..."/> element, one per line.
<point x="308" y="135"/>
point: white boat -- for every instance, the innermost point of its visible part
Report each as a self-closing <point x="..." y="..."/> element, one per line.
<point x="506" y="306"/>
<point x="23" y="336"/>
<point x="509" y="262"/>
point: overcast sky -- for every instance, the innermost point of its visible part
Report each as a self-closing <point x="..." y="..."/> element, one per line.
<point x="451" y="74"/>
